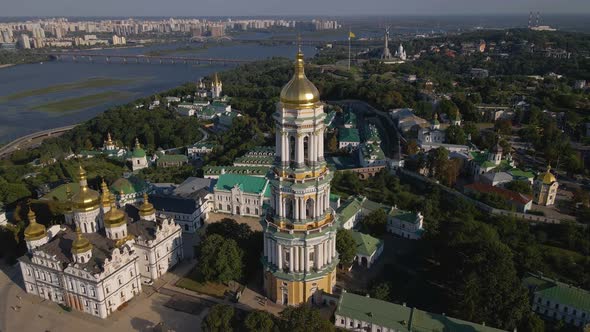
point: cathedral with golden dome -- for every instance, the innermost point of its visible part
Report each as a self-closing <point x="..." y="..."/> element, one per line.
<point x="97" y="260"/>
<point x="300" y="255"/>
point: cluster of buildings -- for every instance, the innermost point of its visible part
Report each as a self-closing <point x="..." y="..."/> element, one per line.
<point x="367" y="156"/>
<point x="53" y="32"/>
<point x="98" y="260"/>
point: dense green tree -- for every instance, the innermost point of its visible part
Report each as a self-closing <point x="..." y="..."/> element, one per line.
<point x="455" y="135"/>
<point x="345" y="246"/>
<point x="220" y="259"/>
<point x="245" y="238"/>
<point x="381" y="291"/>
<point x="302" y="319"/>
<point x="478" y="272"/>
<point x="375" y="223"/>
<point x="219" y="319"/>
<point x="259" y="321"/>
<point x="520" y="186"/>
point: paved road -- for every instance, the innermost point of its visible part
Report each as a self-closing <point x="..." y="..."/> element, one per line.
<point x="32" y="140"/>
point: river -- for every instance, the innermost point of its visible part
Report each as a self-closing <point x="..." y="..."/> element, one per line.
<point x="21" y="116"/>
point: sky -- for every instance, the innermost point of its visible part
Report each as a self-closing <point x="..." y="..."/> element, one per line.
<point x="285" y="7"/>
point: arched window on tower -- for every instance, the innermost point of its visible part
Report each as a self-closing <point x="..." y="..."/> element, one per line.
<point x="289" y="206"/>
<point x="309" y="208"/>
<point x="291" y="149"/>
<point x="306" y="149"/>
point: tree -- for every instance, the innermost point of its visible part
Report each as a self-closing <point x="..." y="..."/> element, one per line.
<point x="573" y="164"/>
<point x="219" y="319"/>
<point x="520" y="186"/>
<point x="447" y="107"/>
<point x="345" y="246"/>
<point x="332" y="144"/>
<point x="455" y="135"/>
<point x="259" y="321"/>
<point x="381" y="291"/>
<point x="220" y="259"/>
<point x="477" y="270"/>
<point x="302" y="319"/>
<point x="412" y="147"/>
<point x="375" y="223"/>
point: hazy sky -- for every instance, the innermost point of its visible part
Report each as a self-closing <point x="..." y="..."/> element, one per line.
<point x="283" y="7"/>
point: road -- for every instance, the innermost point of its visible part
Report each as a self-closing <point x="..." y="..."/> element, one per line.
<point x="32" y="140"/>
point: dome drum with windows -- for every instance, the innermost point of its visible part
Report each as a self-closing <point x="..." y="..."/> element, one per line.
<point x="86" y="199"/>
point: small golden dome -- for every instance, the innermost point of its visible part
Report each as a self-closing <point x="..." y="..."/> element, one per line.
<point x="299" y="92"/>
<point x="146" y="208"/>
<point x="80" y="244"/>
<point x="548" y="177"/>
<point x="34" y="231"/>
<point x="109" y="140"/>
<point x="106" y="195"/>
<point x="114" y="217"/>
<point x="86" y="199"/>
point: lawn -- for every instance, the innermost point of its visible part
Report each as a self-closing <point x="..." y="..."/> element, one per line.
<point x="95" y="82"/>
<point x="79" y="103"/>
<point x="191" y="282"/>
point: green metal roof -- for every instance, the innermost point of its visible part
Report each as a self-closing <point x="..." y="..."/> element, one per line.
<point x="249" y="184"/>
<point x="402" y="318"/>
<point x="129" y="186"/>
<point x="59" y="193"/>
<point x="138" y="153"/>
<point x="255" y="160"/>
<point x="406" y="216"/>
<point x="429" y="322"/>
<point x="387" y="314"/>
<point x="559" y="292"/>
<point x="243" y="170"/>
<point x="348" y="135"/>
<point x="334" y="197"/>
<point x="366" y="245"/>
<point x="349" y="208"/>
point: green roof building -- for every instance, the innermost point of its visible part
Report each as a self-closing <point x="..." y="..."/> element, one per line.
<point x="406" y="224"/>
<point x="241" y="195"/>
<point x="368" y="248"/>
<point x="362" y="313"/>
<point x="557" y="300"/>
<point x="348" y="138"/>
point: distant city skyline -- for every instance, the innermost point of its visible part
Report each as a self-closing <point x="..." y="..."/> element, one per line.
<point x="286" y="8"/>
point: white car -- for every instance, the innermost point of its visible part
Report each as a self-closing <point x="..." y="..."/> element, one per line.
<point x="148" y="282"/>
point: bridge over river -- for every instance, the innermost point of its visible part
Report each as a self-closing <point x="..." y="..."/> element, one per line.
<point x="131" y="58"/>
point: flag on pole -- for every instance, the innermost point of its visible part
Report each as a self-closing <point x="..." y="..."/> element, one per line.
<point x="351" y="35"/>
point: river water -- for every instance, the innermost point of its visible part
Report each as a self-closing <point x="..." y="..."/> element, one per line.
<point x="18" y="117"/>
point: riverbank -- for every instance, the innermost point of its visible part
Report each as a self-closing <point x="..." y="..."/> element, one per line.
<point x="6" y="65"/>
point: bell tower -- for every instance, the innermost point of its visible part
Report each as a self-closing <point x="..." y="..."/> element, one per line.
<point x="300" y="255"/>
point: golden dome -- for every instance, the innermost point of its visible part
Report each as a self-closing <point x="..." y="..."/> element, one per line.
<point x="86" y="199"/>
<point x="80" y="244"/>
<point x="106" y="195"/>
<point x="34" y="231"/>
<point x="548" y="177"/>
<point x="109" y="140"/>
<point x="114" y="217"/>
<point x="299" y="92"/>
<point x="146" y="208"/>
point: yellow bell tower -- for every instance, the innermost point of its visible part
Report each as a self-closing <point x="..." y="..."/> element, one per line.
<point x="300" y="255"/>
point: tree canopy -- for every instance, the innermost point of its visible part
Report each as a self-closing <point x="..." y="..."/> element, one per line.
<point x="220" y="259"/>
